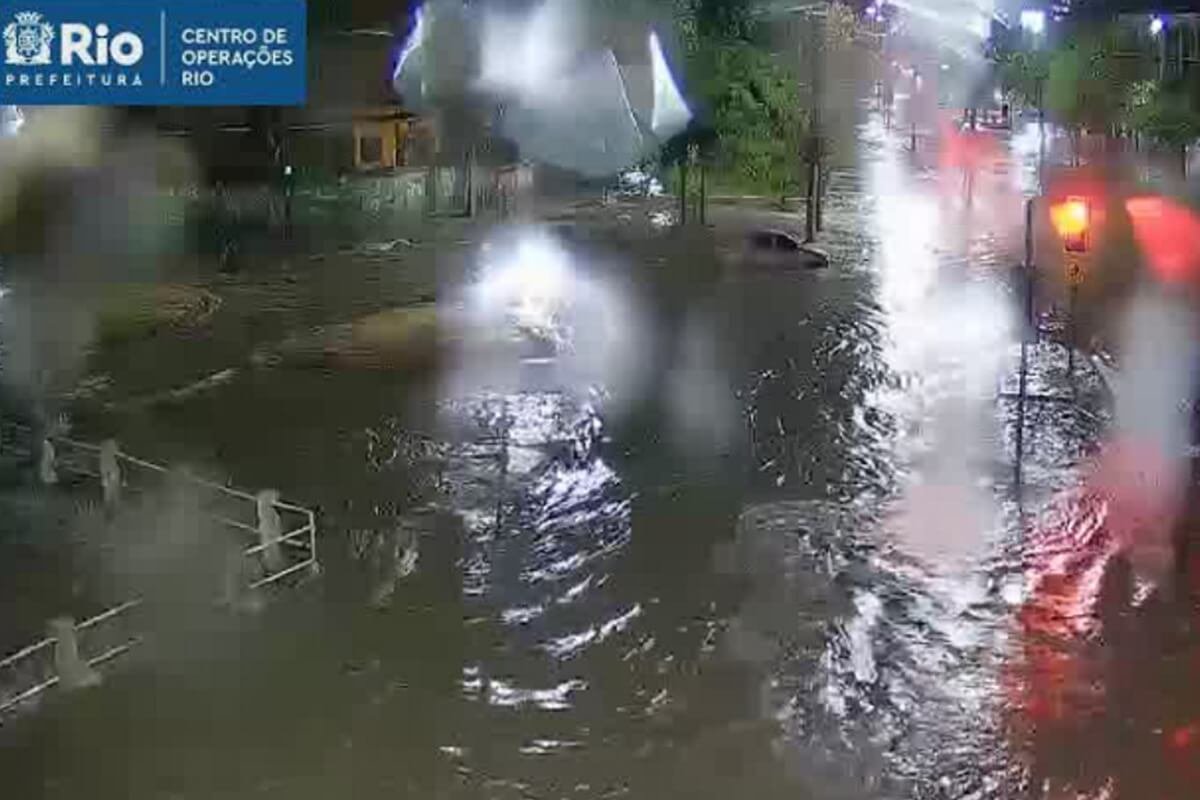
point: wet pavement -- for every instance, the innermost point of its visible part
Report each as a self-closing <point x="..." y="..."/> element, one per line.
<point x="694" y="530"/>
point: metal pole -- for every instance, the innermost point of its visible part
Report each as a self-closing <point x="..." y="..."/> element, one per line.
<point x="1022" y="388"/>
<point x="1029" y="234"/>
<point x="1071" y="332"/>
<point x="1162" y="56"/>
<point x="1030" y="329"/>
<point x="1041" y="134"/>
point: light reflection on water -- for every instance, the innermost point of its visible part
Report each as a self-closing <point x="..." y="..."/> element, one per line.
<point x="897" y="682"/>
<point x="838" y="607"/>
<point x="873" y="646"/>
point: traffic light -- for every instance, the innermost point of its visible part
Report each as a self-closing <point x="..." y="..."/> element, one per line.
<point x="1072" y="219"/>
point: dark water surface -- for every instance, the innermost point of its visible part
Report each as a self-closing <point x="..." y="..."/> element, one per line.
<point x="743" y="534"/>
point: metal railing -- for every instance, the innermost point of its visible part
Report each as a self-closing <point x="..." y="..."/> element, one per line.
<point x="44" y="649"/>
<point x="265" y="526"/>
<point x="303" y="537"/>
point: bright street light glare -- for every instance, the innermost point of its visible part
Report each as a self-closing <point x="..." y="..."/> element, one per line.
<point x="1156" y="26"/>
<point x="1033" y="20"/>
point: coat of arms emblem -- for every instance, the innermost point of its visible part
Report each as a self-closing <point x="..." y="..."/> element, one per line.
<point x="27" y="40"/>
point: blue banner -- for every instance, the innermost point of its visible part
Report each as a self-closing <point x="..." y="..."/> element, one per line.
<point x="153" y="52"/>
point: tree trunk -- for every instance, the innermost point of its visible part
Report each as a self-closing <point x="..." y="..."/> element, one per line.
<point x="820" y="196"/>
<point x="431" y="188"/>
<point x="469" y="183"/>
<point x="683" y="175"/>
<point x="811" y="202"/>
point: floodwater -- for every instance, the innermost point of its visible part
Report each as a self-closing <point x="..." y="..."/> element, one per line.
<point x="699" y="530"/>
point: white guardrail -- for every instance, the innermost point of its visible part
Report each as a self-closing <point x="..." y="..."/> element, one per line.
<point x="45" y="662"/>
<point x="62" y="658"/>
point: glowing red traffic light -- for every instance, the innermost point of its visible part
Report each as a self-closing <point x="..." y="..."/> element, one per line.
<point x="1072" y="219"/>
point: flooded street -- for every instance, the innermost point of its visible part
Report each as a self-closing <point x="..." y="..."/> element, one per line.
<point x="687" y="529"/>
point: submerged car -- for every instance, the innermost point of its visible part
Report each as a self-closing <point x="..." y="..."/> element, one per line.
<point x="782" y="250"/>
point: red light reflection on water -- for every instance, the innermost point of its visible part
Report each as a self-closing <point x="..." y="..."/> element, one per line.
<point x="965" y="149"/>
<point x="1169" y="236"/>
<point x="1059" y="681"/>
<point x="1067" y="556"/>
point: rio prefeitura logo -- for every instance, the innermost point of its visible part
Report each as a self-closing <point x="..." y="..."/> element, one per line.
<point x="152" y="52"/>
<point x="27" y="40"/>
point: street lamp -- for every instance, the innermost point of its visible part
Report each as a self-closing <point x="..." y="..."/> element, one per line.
<point x="1157" y="26"/>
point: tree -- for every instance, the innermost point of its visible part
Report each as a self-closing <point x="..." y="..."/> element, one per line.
<point x="723" y="20"/>
<point x="337" y="15"/>
<point x="841" y="25"/>
<point x="1084" y="85"/>
<point x="758" y="119"/>
<point x="1090" y="78"/>
<point x="1023" y="74"/>
<point x="1168" y="115"/>
<point x="752" y="119"/>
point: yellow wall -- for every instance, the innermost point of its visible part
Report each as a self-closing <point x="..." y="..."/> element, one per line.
<point x="404" y="142"/>
<point x="386" y="132"/>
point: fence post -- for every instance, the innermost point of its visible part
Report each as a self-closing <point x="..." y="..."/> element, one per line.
<point x="73" y="672"/>
<point x="46" y="466"/>
<point x="234" y="574"/>
<point x="270" y="529"/>
<point x="110" y="473"/>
